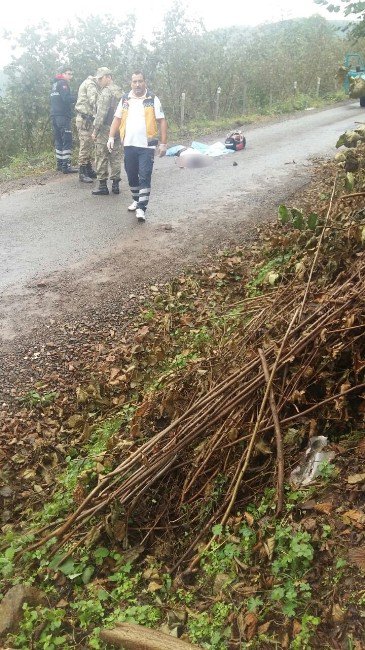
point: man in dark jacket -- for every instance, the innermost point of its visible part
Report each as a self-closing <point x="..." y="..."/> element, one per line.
<point x="62" y="102"/>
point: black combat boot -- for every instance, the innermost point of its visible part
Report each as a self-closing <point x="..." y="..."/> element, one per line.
<point x="115" y="186"/>
<point x="83" y="175"/>
<point x="103" y="189"/>
<point x="59" y="165"/>
<point x="90" y="171"/>
<point x="68" y="169"/>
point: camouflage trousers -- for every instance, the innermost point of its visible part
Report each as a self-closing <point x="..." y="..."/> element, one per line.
<point x="107" y="165"/>
<point x="87" y="147"/>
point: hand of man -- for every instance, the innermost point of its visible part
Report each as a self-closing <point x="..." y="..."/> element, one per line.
<point x="110" y="144"/>
<point x="162" y="150"/>
<point x="93" y="135"/>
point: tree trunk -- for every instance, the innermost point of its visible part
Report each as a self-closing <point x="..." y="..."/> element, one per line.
<point x="137" y="637"/>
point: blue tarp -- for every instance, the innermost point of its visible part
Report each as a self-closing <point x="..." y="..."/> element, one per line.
<point x="216" y="149"/>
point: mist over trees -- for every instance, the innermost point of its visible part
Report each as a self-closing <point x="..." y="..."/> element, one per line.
<point x="255" y="68"/>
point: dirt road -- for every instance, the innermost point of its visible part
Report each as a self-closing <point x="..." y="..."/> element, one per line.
<point x="66" y="253"/>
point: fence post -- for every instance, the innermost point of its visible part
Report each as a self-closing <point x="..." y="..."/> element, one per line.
<point x="219" y="90"/>
<point x="244" y="98"/>
<point x="318" y="85"/>
<point x="182" y="111"/>
<point x="295" y="87"/>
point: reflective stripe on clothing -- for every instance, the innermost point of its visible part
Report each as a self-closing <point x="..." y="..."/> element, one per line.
<point x="62" y="133"/>
<point x="138" y="163"/>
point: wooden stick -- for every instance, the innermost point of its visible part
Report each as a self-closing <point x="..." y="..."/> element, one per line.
<point x="349" y="196"/>
<point x="136" y="637"/>
<point x="318" y="248"/>
<point x="279" y="441"/>
<point x="258" y="422"/>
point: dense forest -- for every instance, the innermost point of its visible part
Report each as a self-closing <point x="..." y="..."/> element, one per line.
<point x="257" y="69"/>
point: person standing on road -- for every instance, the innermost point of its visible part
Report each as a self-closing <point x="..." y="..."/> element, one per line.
<point x="86" y="106"/>
<point x="108" y="101"/>
<point x="138" y="118"/>
<point x="62" y="101"/>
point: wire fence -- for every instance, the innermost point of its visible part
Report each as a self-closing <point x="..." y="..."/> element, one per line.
<point x="186" y="108"/>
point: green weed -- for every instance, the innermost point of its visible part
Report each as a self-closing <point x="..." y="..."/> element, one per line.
<point x="266" y="505"/>
<point x="149" y="315"/>
<point x="293" y="497"/>
<point x="183" y="596"/>
<point x="39" y="629"/>
<point x="297" y="218"/>
<point x="302" y="640"/>
<point x="7" y="562"/>
<point x="211" y="631"/>
<point x="219" y="557"/>
<point x="254" y="603"/>
<point x="34" y="398"/>
<point x="27" y="165"/>
<point x="293" y="556"/>
<point x="11" y="544"/>
<point x="327" y="471"/>
<point x="125" y="584"/>
<point x="268" y="272"/>
<point x="147" y="615"/>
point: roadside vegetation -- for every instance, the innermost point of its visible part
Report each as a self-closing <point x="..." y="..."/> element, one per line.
<point x="28" y="164"/>
<point x="156" y="488"/>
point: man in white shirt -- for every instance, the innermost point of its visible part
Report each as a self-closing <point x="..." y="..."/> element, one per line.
<point x="139" y="118"/>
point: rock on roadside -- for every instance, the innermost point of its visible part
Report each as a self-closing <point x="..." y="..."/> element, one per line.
<point x="12" y="604"/>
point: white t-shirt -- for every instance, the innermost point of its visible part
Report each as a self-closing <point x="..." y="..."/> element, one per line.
<point x="135" y="131"/>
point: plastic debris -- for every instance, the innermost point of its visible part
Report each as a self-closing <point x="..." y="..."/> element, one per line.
<point x="210" y="150"/>
<point x="313" y="460"/>
<point x="215" y="149"/>
<point x="175" y="150"/>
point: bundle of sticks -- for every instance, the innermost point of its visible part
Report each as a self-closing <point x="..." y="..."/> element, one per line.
<point x="314" y="331"/>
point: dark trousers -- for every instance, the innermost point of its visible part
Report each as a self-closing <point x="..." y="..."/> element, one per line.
<point x="62" y="139"/>
<point x="138" y="163"/>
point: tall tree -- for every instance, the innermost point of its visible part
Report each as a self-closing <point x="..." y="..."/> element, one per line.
<point x="99" y="41"/>
<point x="357" y="9"/>
<point x="176" y="54"/>
<point x="28" y="88"/>
<point x="85" y="45"/>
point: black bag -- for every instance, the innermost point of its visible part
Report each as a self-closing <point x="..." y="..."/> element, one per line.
<point x="235" y="141"/>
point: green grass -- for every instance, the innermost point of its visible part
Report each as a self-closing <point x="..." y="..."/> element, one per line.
<point x="25" y="165"/>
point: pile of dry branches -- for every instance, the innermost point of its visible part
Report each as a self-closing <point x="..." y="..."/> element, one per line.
<point x="218" y="434"/>
<point x="295" y="363"/>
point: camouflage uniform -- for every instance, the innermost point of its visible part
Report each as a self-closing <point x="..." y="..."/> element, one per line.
<point x="107" y="104"/>
<point x="85" y="108"/>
